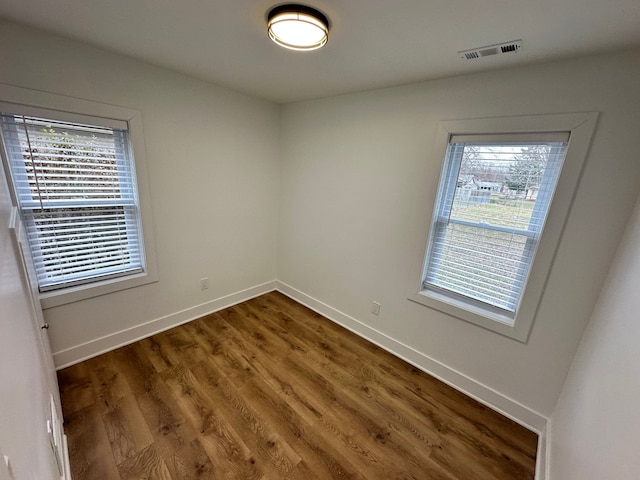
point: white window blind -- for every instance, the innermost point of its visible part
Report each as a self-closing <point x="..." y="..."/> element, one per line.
<point x="76" y="189"/>
<point x="494" y="196"/>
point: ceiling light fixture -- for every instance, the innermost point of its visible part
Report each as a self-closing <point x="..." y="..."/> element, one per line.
<point x="298" y="27"/>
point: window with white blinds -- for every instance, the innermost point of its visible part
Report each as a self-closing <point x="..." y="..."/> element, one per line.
<point x="494" y="196"/>
<point x="76" y="189"/>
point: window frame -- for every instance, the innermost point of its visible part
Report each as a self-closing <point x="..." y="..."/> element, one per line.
<point x="580" y="127"/>
<point x="47" y="105"/>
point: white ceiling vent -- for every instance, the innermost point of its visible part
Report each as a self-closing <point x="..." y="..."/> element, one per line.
<point x="506" y="47"/>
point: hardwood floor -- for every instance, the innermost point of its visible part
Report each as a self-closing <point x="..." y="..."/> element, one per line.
<point x="271" y="390"/>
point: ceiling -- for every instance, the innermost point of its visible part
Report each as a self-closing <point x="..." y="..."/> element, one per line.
<point x="372" y="43"/>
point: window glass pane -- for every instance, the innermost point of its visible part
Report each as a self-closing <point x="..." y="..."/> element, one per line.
<point x="492" y="203"/>
<point x="70" y="246"/>
<point x="478" y="263"/>
<point x="76" y="189"/>
<point x="499" y="184"/>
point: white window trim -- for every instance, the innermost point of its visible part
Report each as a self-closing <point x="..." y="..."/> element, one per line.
<point x="581" y="127"/>
<point x="25" y="101"/>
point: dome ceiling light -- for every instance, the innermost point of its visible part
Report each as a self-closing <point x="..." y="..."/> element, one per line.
<point x="297" y="27"/>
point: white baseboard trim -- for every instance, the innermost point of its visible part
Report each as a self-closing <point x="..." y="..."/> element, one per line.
<point x="78" y="353"/>
<point x="66" y="474"/>
<point x="486" y="395"/>
<point x="542" y="455"/>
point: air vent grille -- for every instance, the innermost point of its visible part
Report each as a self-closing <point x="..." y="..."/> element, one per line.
<point x="489" y="50"/>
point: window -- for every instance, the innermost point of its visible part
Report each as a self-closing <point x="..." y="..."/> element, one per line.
<point x="497" y="189"/>
<point x="492" y="203"/>
<point x="76" y="190"/>
<point x="75" y="183"/>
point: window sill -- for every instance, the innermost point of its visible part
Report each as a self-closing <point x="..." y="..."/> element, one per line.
<point x="483" y="317"/>
<point x="83" y="292"/>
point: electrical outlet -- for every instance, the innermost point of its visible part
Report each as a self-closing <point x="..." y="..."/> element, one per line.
<point x="375" y="308"/>
<point x="204" y="283"/>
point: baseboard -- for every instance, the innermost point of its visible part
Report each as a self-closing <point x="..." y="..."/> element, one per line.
<point x="542" y="455"/>
<point x="93" y="348"/>
<point x="66" y="474"/>
<point x="486" y="395"/>
<point x="543" y="466"/>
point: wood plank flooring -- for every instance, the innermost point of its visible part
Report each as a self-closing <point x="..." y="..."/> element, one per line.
<point x="271" y="390"/>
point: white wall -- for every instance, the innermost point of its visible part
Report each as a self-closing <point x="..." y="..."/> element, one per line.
<point x="212" y="158"/>
<point x="338" y="188"/>
<point x="595" y="428"/>
<point x="26" y="376"/>
<point x="357" y="182"/>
